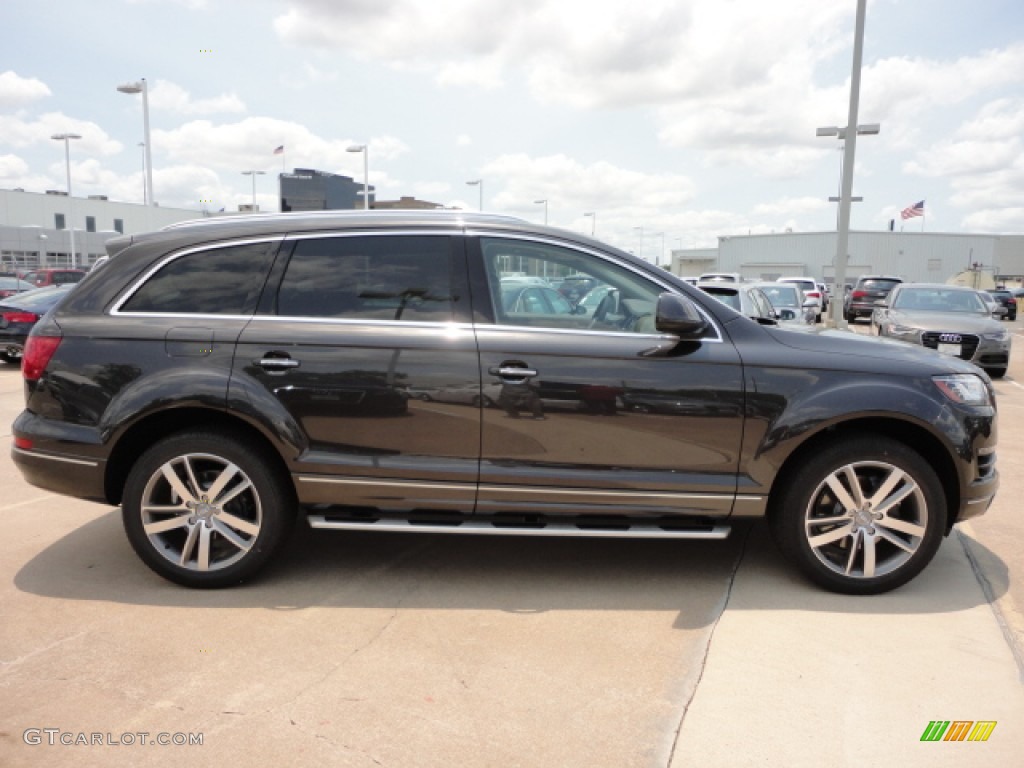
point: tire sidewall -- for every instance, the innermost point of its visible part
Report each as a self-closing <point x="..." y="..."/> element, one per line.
<point x="277" y="507"/>
<point x="788" y="517"/>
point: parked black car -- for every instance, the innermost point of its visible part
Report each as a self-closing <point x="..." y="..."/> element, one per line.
<point x="867" y="293"/>
<point x="1007" y="300"/>
<point x="216" y="377"/>
<point x="19" y="314"/>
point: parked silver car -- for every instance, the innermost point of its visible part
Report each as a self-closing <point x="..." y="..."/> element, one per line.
<point x="790" y="304"/>
<point x="745" y="298"/>
<point x="951" y="319"/>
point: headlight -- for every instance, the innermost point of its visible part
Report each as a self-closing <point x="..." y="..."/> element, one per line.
<point x="895" y="329"/>
<point x="963" y="388"/>
<point x="1002" y="335"/>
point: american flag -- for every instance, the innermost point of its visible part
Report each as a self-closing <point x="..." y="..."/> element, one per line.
<point x="279" y="150"/>
<point x="917" y="209"/>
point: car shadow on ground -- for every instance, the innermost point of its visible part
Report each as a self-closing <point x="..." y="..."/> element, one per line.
<point x="511" y="574"/>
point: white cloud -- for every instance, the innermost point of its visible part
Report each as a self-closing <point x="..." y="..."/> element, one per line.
<point x="17" y="91"/>
<point x="791" y="205"/>
<point x="22" y="132"/>
<point x="249" y="144"/>
<point x="463" y="140"/>
<point x="172" y="97"/>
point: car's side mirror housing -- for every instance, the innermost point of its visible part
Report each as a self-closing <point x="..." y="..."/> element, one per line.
<point x="676" y="314"/>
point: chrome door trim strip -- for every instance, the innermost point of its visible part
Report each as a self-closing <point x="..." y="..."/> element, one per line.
<point x="50" y="457"/>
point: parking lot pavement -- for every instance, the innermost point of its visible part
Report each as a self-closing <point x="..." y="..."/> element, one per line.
<point x="365" y="649"/>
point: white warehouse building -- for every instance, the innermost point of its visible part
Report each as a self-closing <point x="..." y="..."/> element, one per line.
<point x="914" y="256"/>
<point x="35" y="227"/>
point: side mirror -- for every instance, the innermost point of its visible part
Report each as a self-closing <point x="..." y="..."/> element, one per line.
<point x="678" y="315"/>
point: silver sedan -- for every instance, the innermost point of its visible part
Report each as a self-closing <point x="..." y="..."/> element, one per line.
<point x="947" y="318"/>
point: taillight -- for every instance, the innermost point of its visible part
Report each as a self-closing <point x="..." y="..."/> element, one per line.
<point x="858" y="295"/>
<point x="20" y="317"/>
<point x="814" y="294"/>
<point x="37" y="354"/>
<point x="1012" y="301"/>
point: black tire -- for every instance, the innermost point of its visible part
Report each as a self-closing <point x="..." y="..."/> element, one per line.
<point x="240" y="535"/>
<point x="818" y="530"/>
<point x="10" y="359"/>
<point x="995" y="373"/>
<point x="851" y="317"/>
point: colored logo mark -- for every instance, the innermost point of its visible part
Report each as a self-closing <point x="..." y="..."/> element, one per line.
<point x="958" y="730"/>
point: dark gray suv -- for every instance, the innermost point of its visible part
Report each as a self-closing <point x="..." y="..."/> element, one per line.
<point x="218" y="379"/>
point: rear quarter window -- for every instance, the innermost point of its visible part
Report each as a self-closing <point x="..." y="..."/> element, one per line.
<point x="215" y="281"/>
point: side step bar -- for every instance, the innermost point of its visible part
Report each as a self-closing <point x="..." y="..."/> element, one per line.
<point x="553" y="529"/>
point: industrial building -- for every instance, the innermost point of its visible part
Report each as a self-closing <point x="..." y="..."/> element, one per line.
<point x="914" y="256"/>
<point x="36" y="228"/>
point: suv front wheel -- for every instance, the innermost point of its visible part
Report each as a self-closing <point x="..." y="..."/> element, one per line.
<point x="864" y="516"/>
<point x="204" y="510"/>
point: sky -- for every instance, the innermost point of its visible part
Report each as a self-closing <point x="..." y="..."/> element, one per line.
<point x="675" y="122"/>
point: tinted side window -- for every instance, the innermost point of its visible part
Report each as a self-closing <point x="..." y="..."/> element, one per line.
<point x="219" y="281"/>
<point x="400" y="277"/>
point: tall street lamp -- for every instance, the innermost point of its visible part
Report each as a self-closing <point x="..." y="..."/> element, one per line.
<point x="478" y="183"/>
<point x="849" y="136"/>
<point x="593" y="221"/>
<point x="254" y="174"/>
<point x="640" y="253"/>
<point x="366" y="172"/>
<point x="140" y="86"/>
<point x="66" y="138"/>
<point x="145" y="196"/>
<point x="661" y="254"/>
<point x="538" y="202"/>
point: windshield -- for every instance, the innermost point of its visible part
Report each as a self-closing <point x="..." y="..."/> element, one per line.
<point x="938" y="300"/>
<point x="781" y="295"/>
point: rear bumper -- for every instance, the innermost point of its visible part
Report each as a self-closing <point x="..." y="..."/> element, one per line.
<point x="60" y="457"/>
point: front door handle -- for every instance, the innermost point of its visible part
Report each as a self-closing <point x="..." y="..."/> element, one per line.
<point x="512" y="372"/>
<point x="277" y="363"/>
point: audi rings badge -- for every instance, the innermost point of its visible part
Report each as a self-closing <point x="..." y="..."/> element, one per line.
<point x="950" y="338"/>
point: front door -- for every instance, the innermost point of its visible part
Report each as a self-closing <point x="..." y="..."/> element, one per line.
<point x="586" y="409"/>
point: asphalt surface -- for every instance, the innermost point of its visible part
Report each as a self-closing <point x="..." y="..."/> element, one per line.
<point x="371" y="650"/>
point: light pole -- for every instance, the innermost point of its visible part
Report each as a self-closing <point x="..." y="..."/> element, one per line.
<point x="478" y="183"/>
<point x="661" y="254"/>
<point x="640" y="252"/>
<point x="254" y="174"/>
<point x="849" y="136"/>
<point x="538" y="202"/>
<point x="140" y="86"/>
<point x="593" y="221"/>
<point x="66" y="138"/>
<point x="366" y="172"/>
<point x="145" y="196"/>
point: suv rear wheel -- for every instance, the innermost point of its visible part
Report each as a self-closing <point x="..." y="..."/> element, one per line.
<point x="204" y="510"/>
<point x="864" y="516"/>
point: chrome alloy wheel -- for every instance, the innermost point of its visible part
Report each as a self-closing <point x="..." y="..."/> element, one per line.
<point x="201" y="512"/>
<point x="866" y="519"/>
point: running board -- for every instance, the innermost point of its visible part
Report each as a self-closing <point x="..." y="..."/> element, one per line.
<point x="560" y="529"/>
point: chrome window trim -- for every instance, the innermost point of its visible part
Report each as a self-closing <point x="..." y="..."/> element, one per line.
<point x="174" y="256"/>
<point x="474" y="232"/>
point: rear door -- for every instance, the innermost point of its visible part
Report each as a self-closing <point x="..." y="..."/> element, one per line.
<point x="591" y="411"/>
<point x="363" y="351"/>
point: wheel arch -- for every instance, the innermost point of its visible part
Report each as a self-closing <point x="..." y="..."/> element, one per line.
<point x="914" y="436"/>
<point x="149" y="430"/>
